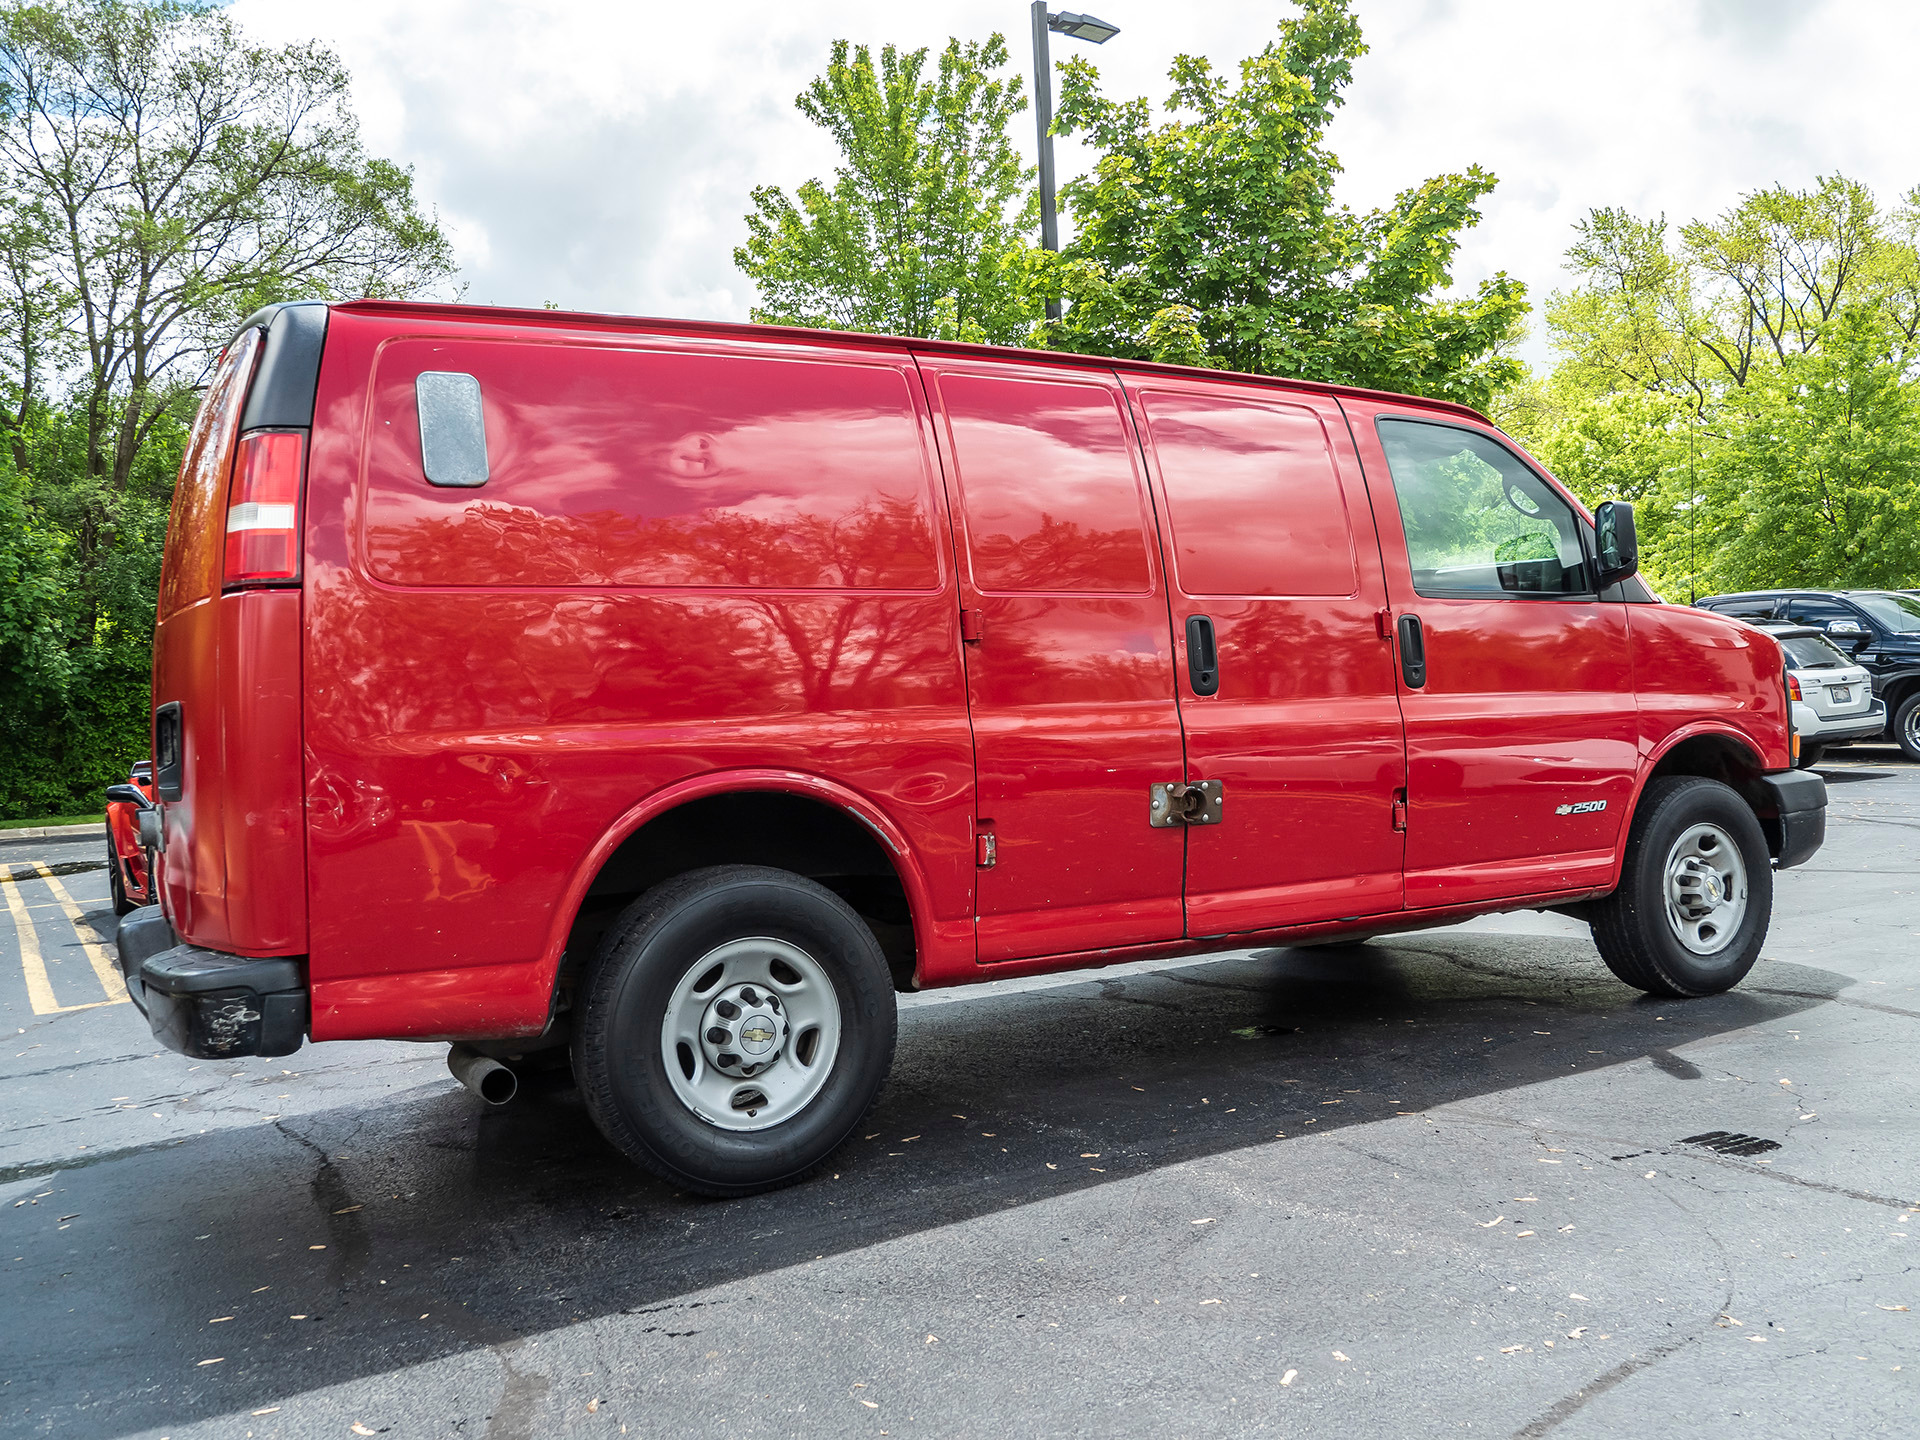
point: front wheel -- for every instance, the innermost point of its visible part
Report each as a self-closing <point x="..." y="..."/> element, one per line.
<point x="1906" y="725"/>
<point x="737" y="1024"/>
<point x="1695" y="895"/>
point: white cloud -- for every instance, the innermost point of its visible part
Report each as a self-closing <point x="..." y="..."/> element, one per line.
<point x="600" y="155"/>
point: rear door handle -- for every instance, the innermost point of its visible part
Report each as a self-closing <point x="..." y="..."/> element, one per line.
<point x="1413" y="652"/>
<point x="1203" y="659"/>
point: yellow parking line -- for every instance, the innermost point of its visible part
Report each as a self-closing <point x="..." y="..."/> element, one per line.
<point x="104" y="967"/>
<point x="33" y="964"/>
<point x="39" y="988"/>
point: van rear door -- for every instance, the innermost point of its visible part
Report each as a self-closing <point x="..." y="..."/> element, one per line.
<point x="1286" y="680"/>
<point x="1070" y="673"/>
<point x="226" y="655"/>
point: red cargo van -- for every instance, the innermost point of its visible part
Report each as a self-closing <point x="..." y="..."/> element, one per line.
<point x="675" y="693"/>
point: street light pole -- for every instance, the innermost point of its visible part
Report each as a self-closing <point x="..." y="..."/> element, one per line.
<point x="1082" y="27"/>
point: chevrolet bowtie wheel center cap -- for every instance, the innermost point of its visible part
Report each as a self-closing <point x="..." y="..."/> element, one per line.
<point x="743" y="1030"/>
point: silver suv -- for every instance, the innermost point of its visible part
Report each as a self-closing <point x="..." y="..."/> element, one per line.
<point x="1832" y="693"/>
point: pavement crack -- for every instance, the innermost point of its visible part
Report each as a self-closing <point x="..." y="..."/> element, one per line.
<point x="346" y="1231"/>
<point x="1833" y="1000"/>
<point x="1115" y="990"/>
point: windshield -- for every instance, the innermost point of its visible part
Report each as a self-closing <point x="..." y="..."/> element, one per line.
<point x="1810" y="652"/>
<point x="1896" y="612"/>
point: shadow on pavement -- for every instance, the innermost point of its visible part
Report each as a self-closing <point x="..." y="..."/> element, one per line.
<point x="495" y="1225"/>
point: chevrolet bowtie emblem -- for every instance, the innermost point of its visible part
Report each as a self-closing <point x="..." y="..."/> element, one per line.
<point x="756" y="1035"/>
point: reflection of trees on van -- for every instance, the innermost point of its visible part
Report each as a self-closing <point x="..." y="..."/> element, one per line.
<point x="1060" y="555"/>
<point x="741" y="588"/>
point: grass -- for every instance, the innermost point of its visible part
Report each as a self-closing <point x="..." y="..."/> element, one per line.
<point x="99" y="819"/>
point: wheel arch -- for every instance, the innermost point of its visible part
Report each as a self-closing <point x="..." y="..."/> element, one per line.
<point x="1712" y="753"/>
<point x="785" y="818"/>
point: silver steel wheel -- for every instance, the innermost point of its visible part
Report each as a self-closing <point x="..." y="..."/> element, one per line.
<point x="1910" y="732"/>
<point x="751" y="1033"/>
<point x="1706" y="889"/>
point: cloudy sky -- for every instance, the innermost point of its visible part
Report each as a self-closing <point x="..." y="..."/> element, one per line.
<point x="599" y="154"/>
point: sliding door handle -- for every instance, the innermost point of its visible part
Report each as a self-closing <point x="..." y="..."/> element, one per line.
<point x="1203" y="659"/>
<point x="1413" y="652"/>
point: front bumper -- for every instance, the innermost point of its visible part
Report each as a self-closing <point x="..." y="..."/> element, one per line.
<point x="1797" y="824"/>
<point x="207" y="1004"/>
<point x="1811" y="728"/>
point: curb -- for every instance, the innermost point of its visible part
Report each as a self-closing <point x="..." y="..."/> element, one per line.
<point x="42" y="832"/>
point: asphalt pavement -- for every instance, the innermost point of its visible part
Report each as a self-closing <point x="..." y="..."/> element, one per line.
<point x="1456" y="1181"/>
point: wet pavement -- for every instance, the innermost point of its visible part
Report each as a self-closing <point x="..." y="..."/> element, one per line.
<point x="1459" y="1180"/>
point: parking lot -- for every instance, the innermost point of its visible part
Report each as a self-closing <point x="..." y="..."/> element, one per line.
<point x="1458" y="1180"/>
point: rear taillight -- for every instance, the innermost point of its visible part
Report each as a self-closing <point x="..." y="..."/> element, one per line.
<point x="263" y="508"/>
<point x="1793" y="687"/>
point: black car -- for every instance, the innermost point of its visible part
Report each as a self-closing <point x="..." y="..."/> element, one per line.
<point x="1878" y="628"/>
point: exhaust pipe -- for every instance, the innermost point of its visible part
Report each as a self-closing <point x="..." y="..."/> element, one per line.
<point x="482" y="1074"/>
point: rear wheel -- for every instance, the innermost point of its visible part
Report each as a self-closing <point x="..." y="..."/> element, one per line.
<point x="116" y="882"/>
<point x="738" y="1023"/>
<point x="1906" y="725"/>
<point x="1696" y="892"/>
<point x="1811" y="755"/>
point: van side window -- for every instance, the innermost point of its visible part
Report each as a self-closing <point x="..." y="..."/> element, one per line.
<point x="1254" y="501"/>
<point x="1478" y="521"/>
<point x="1048" y="480"/>
<point x="606" y="466"/>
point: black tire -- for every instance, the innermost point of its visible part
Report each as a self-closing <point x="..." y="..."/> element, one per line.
<point x="116" y="882"/>
<point x="1631" y="927"/>
<point x="1905" y="727"/>
<point x="617" y="1049"/>
<point x="1811" y="755"/>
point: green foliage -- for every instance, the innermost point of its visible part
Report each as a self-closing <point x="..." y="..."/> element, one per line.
<point x="1753" y="385"/>
<point x="161" y="177"/>
<point x="921" y="231"/>
<point x="1214" y="237"/>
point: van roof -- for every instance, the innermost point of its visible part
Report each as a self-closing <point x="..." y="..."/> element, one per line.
<point x="793" y="334"/>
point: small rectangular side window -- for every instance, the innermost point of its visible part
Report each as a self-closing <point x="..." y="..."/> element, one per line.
<point x="453" y="429"/>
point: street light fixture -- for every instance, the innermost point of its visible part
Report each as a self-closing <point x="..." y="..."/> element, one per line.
<point x="1081" y="27"/>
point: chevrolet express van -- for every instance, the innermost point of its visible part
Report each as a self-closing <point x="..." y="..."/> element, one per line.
<point x="672" y="694"/>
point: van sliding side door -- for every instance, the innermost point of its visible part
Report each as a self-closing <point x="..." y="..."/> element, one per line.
<point x="1069" y="659"/>
<point x="1285" y="675"/>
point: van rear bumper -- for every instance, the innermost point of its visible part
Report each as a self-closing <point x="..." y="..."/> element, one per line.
<point x="207" y="1004"/>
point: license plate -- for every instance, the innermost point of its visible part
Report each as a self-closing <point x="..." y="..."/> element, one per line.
<point x="1840" y="694"/>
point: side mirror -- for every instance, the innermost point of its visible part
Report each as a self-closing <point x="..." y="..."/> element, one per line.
<point x="129" y="795"/>
<point x="1614" y="539"/>
<point x="1847" y="632"/>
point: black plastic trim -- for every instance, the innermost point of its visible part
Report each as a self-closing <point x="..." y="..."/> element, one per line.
<point x="143" y="933"/>
<point x="289" y="375"/>
<point x="1799" y="824"/>
<point x="214" y="1006"/>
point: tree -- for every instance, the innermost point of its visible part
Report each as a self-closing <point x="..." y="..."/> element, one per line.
<point x="1752" y="383"/>
<point x="160" y="178"/>
<point x="1214" y="237"/>
<point x="165" y="178"/>
<point x="922" y="231"/>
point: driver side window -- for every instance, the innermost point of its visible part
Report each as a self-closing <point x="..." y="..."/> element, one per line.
<point x="1478" y="521"/>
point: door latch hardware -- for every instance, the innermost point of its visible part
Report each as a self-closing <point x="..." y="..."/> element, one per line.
<point x="973" y="626"/>
<point x="1400" y="810"/>
<point x="985" y="850"/>
<point x="1183" y="802"/>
